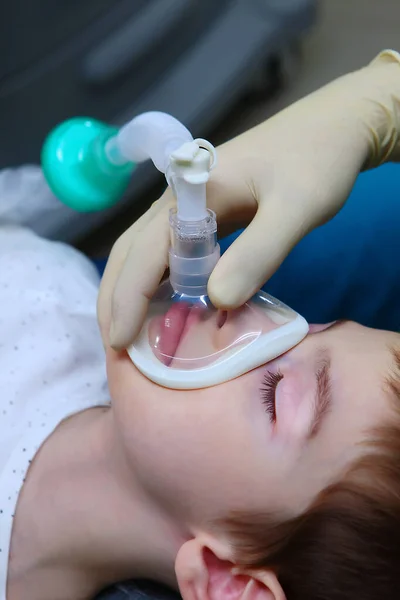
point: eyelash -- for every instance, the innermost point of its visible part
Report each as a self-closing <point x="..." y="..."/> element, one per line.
<point x="268" y="392"/>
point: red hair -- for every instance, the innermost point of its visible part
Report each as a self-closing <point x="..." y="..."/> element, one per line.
<point x="346" y="546"/>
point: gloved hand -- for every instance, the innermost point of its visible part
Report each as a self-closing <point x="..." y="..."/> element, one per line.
<point x="282" y="179"/>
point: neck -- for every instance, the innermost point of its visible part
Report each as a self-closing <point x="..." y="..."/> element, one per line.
<point x="82" y="521"/>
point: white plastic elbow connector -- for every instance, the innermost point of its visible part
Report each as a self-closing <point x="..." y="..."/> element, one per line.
<point x="153" y="135"/>
<point x="186" y="163"/>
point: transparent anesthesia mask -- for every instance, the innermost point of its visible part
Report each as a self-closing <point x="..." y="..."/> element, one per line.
<point x="185" y="343"/>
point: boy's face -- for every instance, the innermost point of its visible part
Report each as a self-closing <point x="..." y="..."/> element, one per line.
<point x="269" y="440"/>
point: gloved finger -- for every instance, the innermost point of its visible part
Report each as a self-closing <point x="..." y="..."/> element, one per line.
<point x="256" y="254"/>
<point x="115" y="264"/>
<point x="140" y="274"/>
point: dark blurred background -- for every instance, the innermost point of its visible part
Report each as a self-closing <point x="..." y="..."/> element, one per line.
<point x="220" y="66"/>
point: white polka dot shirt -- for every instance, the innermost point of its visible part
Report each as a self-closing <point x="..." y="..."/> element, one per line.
<point x="51" y="356"/>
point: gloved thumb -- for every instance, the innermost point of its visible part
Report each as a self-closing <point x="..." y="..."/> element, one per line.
<point x="256" y="254"/>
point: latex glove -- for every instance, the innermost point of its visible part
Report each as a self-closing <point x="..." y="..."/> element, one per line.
<point x="283" y="178"/>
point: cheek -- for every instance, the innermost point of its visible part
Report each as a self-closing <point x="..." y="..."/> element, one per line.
<point x="147" y="416"/>
<point x="189" y="450"/>
<point x="169" y="437"/>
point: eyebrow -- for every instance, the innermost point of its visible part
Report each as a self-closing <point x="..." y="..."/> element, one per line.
<point x="392" y="380"/>
<point x="323" y="396"/>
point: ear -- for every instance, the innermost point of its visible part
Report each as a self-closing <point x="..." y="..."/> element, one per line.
<point x="203" y="575"/>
